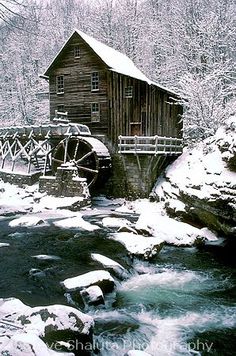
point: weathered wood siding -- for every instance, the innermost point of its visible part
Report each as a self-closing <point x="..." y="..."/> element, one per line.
<point x="147" y="112"/>
<point x="150" y="111"/>
<point x="77" y="97"/>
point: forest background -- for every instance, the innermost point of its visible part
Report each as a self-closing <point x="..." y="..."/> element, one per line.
<point x="186" y="45"/>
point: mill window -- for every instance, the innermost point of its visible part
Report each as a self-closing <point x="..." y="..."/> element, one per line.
<point x="60" y="84"/>
<point x="129" y="92"/>
<point x="95" y="112"/>
<point x="76" y="51"/>
<point x="94" y="81"/>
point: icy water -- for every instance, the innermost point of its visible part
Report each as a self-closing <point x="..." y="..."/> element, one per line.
<point x="180" y="303"/>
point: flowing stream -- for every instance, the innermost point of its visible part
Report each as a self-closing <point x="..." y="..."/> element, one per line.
<point x="180" y="303"/>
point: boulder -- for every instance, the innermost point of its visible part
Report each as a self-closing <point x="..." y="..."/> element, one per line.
<point x="138" y="245"/>
<point x="27" y="221"/>
<point x="92" y="295"/>
<point x="22" y="344"/>
<point x="114" y="267"/>
<point x="51" y="324"/>
<point x="173" y="232"/>
<point x="101" y="278"/>
<point x="126" y="228"/>
<point x="4" y="244"/>
<point x="115" y="222"/>
<point x="136" y="353"/>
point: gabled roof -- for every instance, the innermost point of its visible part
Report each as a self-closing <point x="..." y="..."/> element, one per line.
<point x="115" y="60"/>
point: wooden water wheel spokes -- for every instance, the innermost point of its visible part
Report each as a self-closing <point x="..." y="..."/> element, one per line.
<point x="81" y="152"/>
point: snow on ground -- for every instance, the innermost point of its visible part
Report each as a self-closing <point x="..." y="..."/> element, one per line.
<point x="203" y="169"/>
<point x="53" y="203"/>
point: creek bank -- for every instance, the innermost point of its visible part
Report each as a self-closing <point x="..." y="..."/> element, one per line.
<point x="200" y="186"/>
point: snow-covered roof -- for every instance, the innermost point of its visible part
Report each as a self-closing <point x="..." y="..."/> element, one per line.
<point x="115" y="60"/>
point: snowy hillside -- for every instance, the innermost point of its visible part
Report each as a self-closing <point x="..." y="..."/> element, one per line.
<point x="201" y="184"/>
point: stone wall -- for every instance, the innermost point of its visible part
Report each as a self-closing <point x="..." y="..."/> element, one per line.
<point x="66" y="183"/>
<point x="19" y="179"/>
<point x="133" y="176"/>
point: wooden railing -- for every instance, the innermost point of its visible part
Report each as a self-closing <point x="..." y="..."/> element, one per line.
<point x="150" y="145"/>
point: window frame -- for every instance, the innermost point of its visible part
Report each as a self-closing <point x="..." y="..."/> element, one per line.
<point x="95" y="113"/>
<point x="76" y="51"/>
<point x="95" y="81"/>
<point x="129" y="92"/>
<point x="60" y="86"/>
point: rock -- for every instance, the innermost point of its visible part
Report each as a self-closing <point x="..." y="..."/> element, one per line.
<point x="115" y="222"/>
<point x="21" y="344"/>
<point x="136" y="353"/>
<point x="126" y="228"/>
<point x="92" y="295"/>
<point x="76" y="222"/>
<point x="47" y="257"/>
<point x="138" y="245"/>
<point x="36" y="273"/>
<point x="171" y="231"/>
<point x="118" y="270"/>
<point x="32" y="326"/>
<point x="4" y="244"/>
<point x="101" y="278"/>
<point x="26" y="221"/>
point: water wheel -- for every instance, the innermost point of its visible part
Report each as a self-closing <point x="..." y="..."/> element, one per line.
<point x="89" y="155"/>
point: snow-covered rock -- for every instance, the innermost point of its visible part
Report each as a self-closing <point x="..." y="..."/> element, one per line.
<point x="92" y="295"/>
<point x="53" y="203"/>
<point x="26" y="221"/>
<point x="136" y="353"/>
<point x="204" y="181"/>
<point x="22" y="344"/>
<point x="76" y="222"/>
<point x="47" y="257"/>
<point x="138" y="245"/>
<point x="101" y="278"/>
<point x="4" y="244"/>
<point x="172" y="231"/>
<point x="45" y="322"/>
<point x="108" y="263"/>
<point x="115" y="222"/>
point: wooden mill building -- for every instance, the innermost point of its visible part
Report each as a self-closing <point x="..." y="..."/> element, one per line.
<point x="100" y="87"/>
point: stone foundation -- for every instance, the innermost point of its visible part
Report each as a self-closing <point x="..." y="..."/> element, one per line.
<point x="19" y="179"/>
<point x="133" y="176"/>
<point x="66" y="183"/>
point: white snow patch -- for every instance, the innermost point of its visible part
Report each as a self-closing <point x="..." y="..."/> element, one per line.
<point x="105" y="261"/>
<point x="53" y="203"/>
<point x="76" y="222"/>
<point x="4" y="244"/>
<point x="47" y="257"/>
<point x="138" y="244"/>
<point x="115" y="222"/>
<point x="86" y="280"/>
<point x="137" y="353"/>
<point x="170" y="230"/>
<point x="27" y="221"/>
